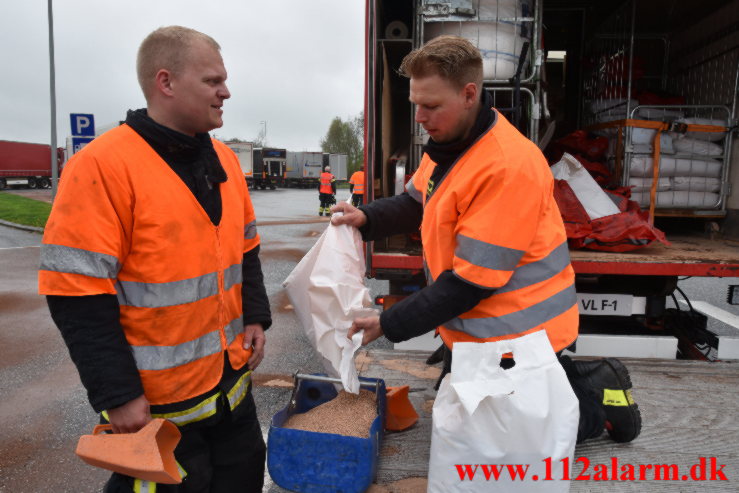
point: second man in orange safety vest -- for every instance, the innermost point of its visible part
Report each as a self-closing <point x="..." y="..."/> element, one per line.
<point x="356" y="187"/>
<point x="326" y="192"/>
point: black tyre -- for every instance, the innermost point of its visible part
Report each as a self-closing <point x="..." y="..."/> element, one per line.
<point x="32" y="183"/>
<point x="3" y="184"/>
<point x="45" y="183"/>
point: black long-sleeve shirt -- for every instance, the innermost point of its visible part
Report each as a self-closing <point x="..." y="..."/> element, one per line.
<point x="448" y="296"/>
<point x="90" y="325"/>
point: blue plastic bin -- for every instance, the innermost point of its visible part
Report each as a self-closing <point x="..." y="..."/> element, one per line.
<point x="311" y="462"/>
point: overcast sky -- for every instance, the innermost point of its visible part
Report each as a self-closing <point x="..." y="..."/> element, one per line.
<point x="295" y="64"/>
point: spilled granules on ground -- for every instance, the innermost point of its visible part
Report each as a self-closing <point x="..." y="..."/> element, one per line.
<point x="362" y="360"/>
<point x="409" y="485"/>
<point x="389" y="451"/>
<point x="416" y="368"/>
<point x="271" y="380"/>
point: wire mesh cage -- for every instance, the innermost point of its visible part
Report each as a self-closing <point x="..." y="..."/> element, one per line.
<point x="667" y="102"/>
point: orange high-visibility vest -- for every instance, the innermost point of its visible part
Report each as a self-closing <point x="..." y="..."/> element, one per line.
<point x="326" y="180"/>
<point x="493" y="221"/>
<point x="357" y="180"/>
<point x="124" y="223"/>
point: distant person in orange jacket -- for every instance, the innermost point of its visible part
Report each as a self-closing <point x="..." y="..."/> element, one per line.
<point x="150" y="266"/>
<point x="326" y="192"/>
<point x="494" y="244"/>
<point x="356" y="187"/>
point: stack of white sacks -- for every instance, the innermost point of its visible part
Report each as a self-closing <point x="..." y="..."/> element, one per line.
<point x="691" y="164"/>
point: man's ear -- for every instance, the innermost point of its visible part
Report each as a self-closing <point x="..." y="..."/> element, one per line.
<point x="471" y="94"/>
<point x="163" y="82"/>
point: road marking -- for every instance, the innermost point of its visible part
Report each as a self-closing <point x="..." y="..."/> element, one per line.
<point x="715" y="312"/>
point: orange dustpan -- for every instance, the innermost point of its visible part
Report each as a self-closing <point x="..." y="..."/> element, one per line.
<point x="147" y="454"/>
<point x="400" y="412"/>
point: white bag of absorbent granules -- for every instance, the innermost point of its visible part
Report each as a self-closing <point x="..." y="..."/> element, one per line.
<point x="503" y="430"/>
<point x="327" y="291"/>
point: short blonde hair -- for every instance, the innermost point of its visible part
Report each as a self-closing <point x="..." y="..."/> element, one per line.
<point x="166" y="48"/>
<point x="452" y="58"/>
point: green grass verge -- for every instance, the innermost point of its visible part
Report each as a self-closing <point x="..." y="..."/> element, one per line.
<point x="21" y="210"/>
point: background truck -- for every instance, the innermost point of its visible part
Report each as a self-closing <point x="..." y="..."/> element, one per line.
<point x="556" y="66"/>
<point x="270" y="166"/>
<point x="25" y="164"/>
<point x="303" y="169"/>
<point x="338" y="165"/>
<point x="245" y="153"/>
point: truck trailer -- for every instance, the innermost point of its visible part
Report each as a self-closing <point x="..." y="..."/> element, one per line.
<point x="270" y="166"/>
<point x="24" y="164"/>
<point x="303" y="169"/>
<point x="557" y="66"/>
<point x="245" y="152"/>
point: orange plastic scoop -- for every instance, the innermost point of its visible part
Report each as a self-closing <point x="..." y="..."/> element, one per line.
<point x="147" y="454"/>
<point x="400" y="412"/>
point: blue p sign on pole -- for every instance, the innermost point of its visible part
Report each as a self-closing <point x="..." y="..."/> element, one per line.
<point x="82" y="125"/>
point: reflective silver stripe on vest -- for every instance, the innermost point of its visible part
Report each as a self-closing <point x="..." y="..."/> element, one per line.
<point x="161" y="294"/>
<point x="234" y="328"/>
<point x="520" y="321"/>
<point x="232" y="275"/>
<point x="427" y="271"/>
<point x="250" y="230"/>
<point x="411" y="189"/>
<point x="60" y="258"/>
<point x="165" y="357"/>
<point x="487" y="255"/>
<point x="541" y="270"/>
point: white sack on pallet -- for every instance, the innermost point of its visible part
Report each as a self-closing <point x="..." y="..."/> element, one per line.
<point x="678" y="199"/>
<point x="670" y="166"/>
<point x="699" y="147"/>
<point x="695" y="183"/>
<point x="645" y="136"/>
<point x="711" y="136"/>
<point x="588" y="192"/>
<point x="678" y="183"/>
<point x="500" y="44"/>
<point x="645" y="184"/>
<point x="327" y="291"/>
<point x="665" y="147"/>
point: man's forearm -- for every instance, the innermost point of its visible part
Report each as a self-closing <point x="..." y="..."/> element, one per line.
<point x="434" y="305"/>
<point x="91" y="329"/>
<point x="391" y="215"/>
<point x="253" y="293"/>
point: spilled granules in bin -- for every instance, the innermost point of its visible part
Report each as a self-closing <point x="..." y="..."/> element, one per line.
<point x="347" y="414"/>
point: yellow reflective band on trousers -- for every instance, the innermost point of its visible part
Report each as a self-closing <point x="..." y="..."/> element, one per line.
<point x="141" y="486"/>
<point x="239" y="390"/>
<point x="207" y="408"/>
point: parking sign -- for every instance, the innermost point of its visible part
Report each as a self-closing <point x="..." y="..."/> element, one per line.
<point x="83" y="125"/>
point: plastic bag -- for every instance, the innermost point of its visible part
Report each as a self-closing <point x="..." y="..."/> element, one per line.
<point x="588" y="192"/>
<point x="625" y="231"/>
<point x="485" y="416"/>
<point x="327" y="291"/>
